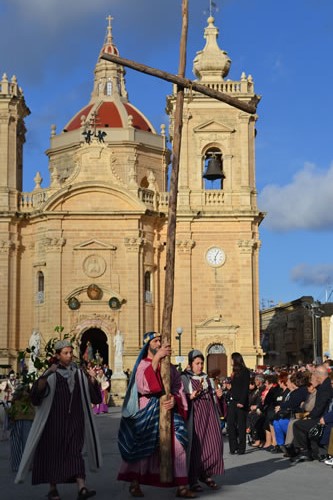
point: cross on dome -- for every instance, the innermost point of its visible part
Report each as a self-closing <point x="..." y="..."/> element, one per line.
<point x="109" y="29"/>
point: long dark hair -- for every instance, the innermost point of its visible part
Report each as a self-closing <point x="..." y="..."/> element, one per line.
<point x="238" y="363"/>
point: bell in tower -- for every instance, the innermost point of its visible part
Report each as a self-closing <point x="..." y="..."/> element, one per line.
<point x="214" y="169"/>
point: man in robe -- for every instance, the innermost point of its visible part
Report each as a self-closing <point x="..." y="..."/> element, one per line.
<point x="138" y="437"/>
<point x="62" y="425"/>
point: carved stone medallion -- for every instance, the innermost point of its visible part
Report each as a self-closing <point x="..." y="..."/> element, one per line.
<point x="94" y="266"/>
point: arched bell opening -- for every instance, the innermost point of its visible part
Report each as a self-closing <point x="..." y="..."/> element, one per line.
<point x="213" y="174"/>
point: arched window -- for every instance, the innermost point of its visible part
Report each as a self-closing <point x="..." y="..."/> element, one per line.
<point x="148" y="288"/>
<point x="109" y="87"/>
<point x="40" y="287"/>
<point x="213" y="174"/>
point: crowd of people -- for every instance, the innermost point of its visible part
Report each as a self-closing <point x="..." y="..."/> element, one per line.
<point x="284" y="410"/>
<point x="289" y="411"/>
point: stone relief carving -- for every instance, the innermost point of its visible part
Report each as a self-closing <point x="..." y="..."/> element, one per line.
<point x="185" y="246"/>
<point x="51" y="244"/>
<point x="94" y="266"/>
<point x="246" y="246"/>
<point x="133" y="244"/>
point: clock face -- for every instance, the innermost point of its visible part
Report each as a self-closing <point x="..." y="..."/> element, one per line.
<point x="215" y="256"/>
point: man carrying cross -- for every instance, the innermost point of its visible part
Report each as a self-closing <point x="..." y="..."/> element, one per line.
<point x="139" y="428"/>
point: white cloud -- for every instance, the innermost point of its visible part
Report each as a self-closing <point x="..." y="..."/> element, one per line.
<point x="305" y="203"/>
<point x="321" y="274"/>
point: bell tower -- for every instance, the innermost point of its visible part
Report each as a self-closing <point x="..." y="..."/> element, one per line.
<point x="13" y="110"/>
<point x="217" y="209"/>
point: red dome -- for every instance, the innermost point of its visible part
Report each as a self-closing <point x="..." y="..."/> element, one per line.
<point x="110" y="49"/>
<point x="109" y="114"/>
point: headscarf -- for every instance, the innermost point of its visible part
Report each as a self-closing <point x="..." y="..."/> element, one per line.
<point x="150" y="336"/>
<point x="195" y="353"/>
<point x="131" y="404"/>
<point x="61" y="344"/>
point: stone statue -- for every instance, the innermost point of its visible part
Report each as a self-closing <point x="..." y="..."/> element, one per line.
<point x="118" y="342"/>
<point x="34" y="346"/>
<point x="100" y="135"/>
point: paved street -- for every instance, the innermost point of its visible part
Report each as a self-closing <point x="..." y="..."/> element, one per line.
<point x="258" y="475"/>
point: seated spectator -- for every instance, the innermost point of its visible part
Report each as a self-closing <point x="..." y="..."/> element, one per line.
<point x="301" y="427"/>
<point x="327" y="420"/>
<point x="255" y="417"/>
<point x="268" y="409"/>
<point x="297" y="393"/>
<point x="303" y="413"/>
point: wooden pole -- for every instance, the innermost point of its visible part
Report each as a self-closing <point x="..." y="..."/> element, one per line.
<point x="247" y="106"/>
<point x="166" y="468"/>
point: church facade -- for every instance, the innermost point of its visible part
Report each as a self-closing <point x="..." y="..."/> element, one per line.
<point x="88" y="251"/>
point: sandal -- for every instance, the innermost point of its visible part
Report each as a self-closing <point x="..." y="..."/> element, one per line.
<point x="184" y="492"/>
<point x="85" y="493"/>
<point x="208" y="481"/>
<point x="53" y="495"/>
<point x="135" y="490"/>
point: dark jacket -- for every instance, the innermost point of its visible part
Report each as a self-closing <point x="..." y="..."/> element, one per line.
<point x="270" y="401"/>
<point x="240" y="387"/>
<point x="295" y="399"/>
<point x="328" y="418"/>
<point x="323" y="399"/>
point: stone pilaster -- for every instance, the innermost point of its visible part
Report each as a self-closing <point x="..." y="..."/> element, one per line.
<point x="135" y="286"/>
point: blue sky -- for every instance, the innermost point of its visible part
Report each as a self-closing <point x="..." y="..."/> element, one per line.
<point x="52" y="47"/>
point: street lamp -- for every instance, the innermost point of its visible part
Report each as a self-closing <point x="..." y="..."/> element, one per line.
<point x="179" y="331"/>
<point x="315" y="312"/>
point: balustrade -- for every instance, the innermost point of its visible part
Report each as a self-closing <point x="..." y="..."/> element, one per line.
<point x="30" y="201"/>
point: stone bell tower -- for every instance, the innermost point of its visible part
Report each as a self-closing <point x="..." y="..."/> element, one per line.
<point x="217" y="212"/>
<point x="13" y="110"/>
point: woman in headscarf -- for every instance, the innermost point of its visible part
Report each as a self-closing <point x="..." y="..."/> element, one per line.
<point x="63" y="423"/>
<point x="205" y="450"/>
<point x="138" y="437"/>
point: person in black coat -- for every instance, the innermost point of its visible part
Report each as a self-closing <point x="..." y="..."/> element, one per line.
<point x="238" y="408"/>
<point x="301" y="428"/>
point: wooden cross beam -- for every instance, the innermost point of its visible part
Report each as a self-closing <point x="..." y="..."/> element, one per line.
<point x="180" y="81"/>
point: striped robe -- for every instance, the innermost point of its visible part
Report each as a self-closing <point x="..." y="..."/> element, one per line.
<point x="205" y="452"/>
<point x="61" y="426"/>
<point x="147" y="470"/>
